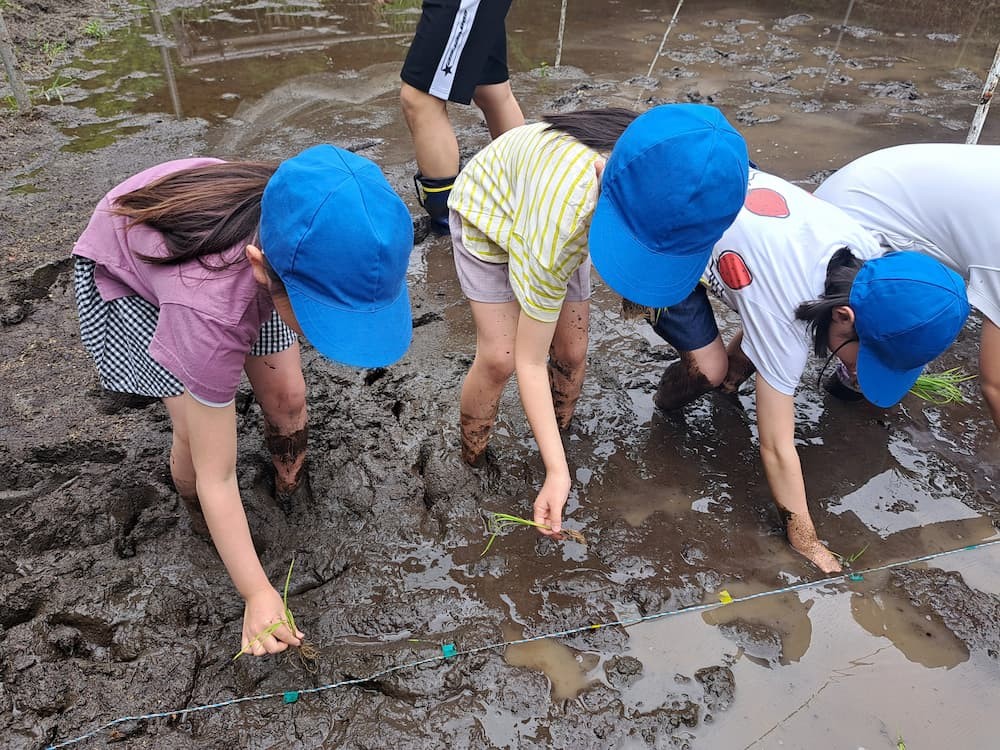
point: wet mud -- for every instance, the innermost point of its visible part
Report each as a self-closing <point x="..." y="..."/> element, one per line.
<point x="112" y="606"/>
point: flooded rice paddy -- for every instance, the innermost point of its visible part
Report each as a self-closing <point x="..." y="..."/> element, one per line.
<point x="112" y="608"/>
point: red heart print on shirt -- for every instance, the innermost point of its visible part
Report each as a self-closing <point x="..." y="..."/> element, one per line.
<point x="733" y="270"/>
<point x="766" y="202"/>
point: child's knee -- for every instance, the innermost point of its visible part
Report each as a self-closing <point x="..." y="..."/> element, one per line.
<point x="496" y="366"/>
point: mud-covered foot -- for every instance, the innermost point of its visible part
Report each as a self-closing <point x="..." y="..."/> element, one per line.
<point x="199" y="527"/>
<point x="802" y="537"/>
<point x="475" y="437"/>
<point x="293" y="495"/>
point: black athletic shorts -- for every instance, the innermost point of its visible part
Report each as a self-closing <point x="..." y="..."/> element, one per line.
<point x="458" y="45"/>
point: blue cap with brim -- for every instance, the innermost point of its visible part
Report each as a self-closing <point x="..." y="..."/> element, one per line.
<point x="674" y="182"/>
<point x="908" y="308"/>
<point x="340" y="238"/>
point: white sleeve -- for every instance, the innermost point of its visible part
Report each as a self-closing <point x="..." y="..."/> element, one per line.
<point x="777" y="349"/>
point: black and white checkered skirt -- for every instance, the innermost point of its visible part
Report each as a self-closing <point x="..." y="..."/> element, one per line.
<point x="118" y="334"/>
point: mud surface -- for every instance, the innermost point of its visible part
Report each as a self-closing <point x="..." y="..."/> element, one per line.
<point x="112" y="607"/>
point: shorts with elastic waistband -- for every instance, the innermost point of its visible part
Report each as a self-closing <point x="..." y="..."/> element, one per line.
<point x="482" y="281"/>
<point x="688" y="325"/>
<point x="458" y="45"/>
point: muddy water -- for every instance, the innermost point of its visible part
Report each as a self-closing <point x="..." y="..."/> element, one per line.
<point x="112" y="608"/>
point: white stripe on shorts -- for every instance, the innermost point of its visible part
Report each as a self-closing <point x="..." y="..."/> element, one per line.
<point x="444" y="74"/>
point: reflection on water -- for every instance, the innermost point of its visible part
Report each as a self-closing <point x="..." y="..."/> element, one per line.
<point x="771" y="631"/>
<point x="920" y="636"/>
<point x="566" y="670"/>
<point x="773" y="64"/>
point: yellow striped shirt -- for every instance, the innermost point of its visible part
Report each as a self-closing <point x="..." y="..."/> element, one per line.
<point x="527" y="200"/>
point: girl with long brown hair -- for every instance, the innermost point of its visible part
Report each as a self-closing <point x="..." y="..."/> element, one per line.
<point x="197" y="270"/>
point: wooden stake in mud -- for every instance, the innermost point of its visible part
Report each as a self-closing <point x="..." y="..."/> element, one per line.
<point x="10" y="65"/>
<point x="562" y="30"/>
<point x="984" y="101"/>
<point x="663" y="41"/>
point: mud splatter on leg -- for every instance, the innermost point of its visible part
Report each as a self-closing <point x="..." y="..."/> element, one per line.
<point x="476" y="431"/>
<point x="681" y="383"/>
<point x="288" y="452"/>
<point x="802" y="536"/>
<point x="566" y="382"/>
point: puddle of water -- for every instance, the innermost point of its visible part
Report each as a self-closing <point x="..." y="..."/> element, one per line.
<point x="891" y="502"/>
<point x="566" y="669"/>
<point x="771" y="631"/>
<point x="205" y="60"/>
<point x="920" y="637"/>
<point x="862" y="653"/>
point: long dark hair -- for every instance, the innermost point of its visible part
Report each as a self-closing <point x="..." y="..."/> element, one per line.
<point x="597" y="128"/>
<point x="200" y="211"/>
<point x="818" y="313"/>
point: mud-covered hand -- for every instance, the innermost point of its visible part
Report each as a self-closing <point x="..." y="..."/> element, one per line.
<point x="550" y="503"/>
<point x="263" y="610"/>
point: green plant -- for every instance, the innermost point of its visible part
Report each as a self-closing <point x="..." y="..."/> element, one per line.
<point x="52" y="50"/>
<point x="543" y="69"/>
<point x="942" y="387"/>
<point x="9" y="101"/>
<point x="852" y="558"/>
<point x="95" y="29"/>
<point x="54" y="89"/>
<point x="306" y="651"/>
<point x="497" y="523"/>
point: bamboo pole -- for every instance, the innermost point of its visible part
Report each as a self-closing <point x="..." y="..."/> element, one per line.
<point x="562" y="30"/>
<point x="984" y="101"/>
<point x="663" y="41"/>
<point x="10" y="65"/>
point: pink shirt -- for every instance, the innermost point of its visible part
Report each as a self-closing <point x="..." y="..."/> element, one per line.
<point x="209" y="318"/>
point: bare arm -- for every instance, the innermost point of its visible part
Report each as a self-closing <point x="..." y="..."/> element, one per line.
<point x="531" y="351"/>
<point x="212" y="436"/>
<point x="776" y="428"/>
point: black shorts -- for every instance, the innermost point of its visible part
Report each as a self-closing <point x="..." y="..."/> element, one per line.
<point x="458" y="45"/>
<point x="690" y="324"/>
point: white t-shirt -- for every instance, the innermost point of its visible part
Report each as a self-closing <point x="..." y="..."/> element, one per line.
<point x="940" y="199"/>
<point x="772" y="259"/>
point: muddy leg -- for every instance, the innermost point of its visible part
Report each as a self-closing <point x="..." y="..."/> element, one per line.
<point x="739" y="366"/>
<point x="802" y="536"/>
<point x="695" y="373"/>
<point x="182" y="469"/>
<point x="496" y="328"/>
<point x="288" y="454"/>
<point x="568" y="359"/>
<point x="280" y="389"/>
<point x="476" y="431"/>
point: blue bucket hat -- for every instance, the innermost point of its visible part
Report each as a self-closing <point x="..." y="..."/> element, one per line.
<point x="339" y="238"/>
<point x="908" y="308"/>
<point x="675" y="181"/>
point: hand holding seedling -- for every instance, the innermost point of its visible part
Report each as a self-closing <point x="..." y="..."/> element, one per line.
<point x="266" y="629"/>
<point x="549" y="504"/>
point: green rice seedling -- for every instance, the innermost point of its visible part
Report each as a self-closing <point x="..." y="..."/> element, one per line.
<point x="497" y="523"/>
<point x="54" y="89"/>
<point x="52" y="50"/>
<point x="306" y="651"/>
<point x="95" y="29"/>
<point x="850" y="560"/>
<point x="941" y="387"/>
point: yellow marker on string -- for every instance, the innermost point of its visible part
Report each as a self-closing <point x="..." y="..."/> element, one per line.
<point x="725" y="597"/>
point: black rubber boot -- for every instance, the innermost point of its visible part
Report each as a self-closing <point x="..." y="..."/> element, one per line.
<point x="432" y="195"/>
